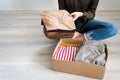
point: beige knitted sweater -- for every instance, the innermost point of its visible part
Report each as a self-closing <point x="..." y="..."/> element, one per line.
<point x="57" y="20"/>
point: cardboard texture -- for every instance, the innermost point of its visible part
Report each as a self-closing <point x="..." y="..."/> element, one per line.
<point x="79" y="68"/>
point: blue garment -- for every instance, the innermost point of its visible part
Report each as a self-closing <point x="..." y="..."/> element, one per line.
<point x="99" y="30"/>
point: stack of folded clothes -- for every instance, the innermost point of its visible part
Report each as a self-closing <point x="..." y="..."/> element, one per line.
<point x="57" y="23"/>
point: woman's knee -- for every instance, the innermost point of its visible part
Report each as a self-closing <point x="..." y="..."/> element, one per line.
<point x="111" y="28"/>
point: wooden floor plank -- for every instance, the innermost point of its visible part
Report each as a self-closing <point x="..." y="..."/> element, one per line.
<point x="25" y="53"/>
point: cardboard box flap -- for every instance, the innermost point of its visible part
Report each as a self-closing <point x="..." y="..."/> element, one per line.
<point x="106" y="51"/>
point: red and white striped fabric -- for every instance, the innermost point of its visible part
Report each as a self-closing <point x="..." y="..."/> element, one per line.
<point x="66" y="53"/>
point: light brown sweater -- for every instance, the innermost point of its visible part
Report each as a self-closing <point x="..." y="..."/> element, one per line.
<point x="57" y="20"/>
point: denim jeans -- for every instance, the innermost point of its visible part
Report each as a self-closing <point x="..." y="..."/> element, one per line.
<point x="99" y="30"/>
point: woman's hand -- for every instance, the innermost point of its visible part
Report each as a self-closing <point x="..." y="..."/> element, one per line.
<point x="75" y="15"/>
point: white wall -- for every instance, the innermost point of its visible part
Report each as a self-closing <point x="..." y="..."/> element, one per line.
<point x="43" y="4"/>
<point x="27" y="4"/>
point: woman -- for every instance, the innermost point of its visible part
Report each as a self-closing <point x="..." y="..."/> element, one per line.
<point x="83" y="13"/>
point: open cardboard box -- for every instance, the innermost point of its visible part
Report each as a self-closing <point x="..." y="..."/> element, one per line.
<point x="79" y="68"/>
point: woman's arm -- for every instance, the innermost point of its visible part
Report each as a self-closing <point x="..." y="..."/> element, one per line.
<point x="90" y="13"/>
<point x="87" y="15"/>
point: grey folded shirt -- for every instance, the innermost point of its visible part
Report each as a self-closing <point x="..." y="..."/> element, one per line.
<point x="92" y="52"/>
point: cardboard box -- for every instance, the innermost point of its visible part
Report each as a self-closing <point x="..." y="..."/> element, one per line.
<point x="79" y="68"/>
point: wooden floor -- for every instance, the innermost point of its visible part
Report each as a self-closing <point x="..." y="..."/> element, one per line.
<point x="25" y="53"/>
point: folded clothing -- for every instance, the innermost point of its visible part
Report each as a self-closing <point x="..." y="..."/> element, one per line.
<point x="66" y="50"/>
<point x="92" y="52"/>
<point x="57" y="19"/>
<point x="60" y="30"/>
<point x="65" y="53"/>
